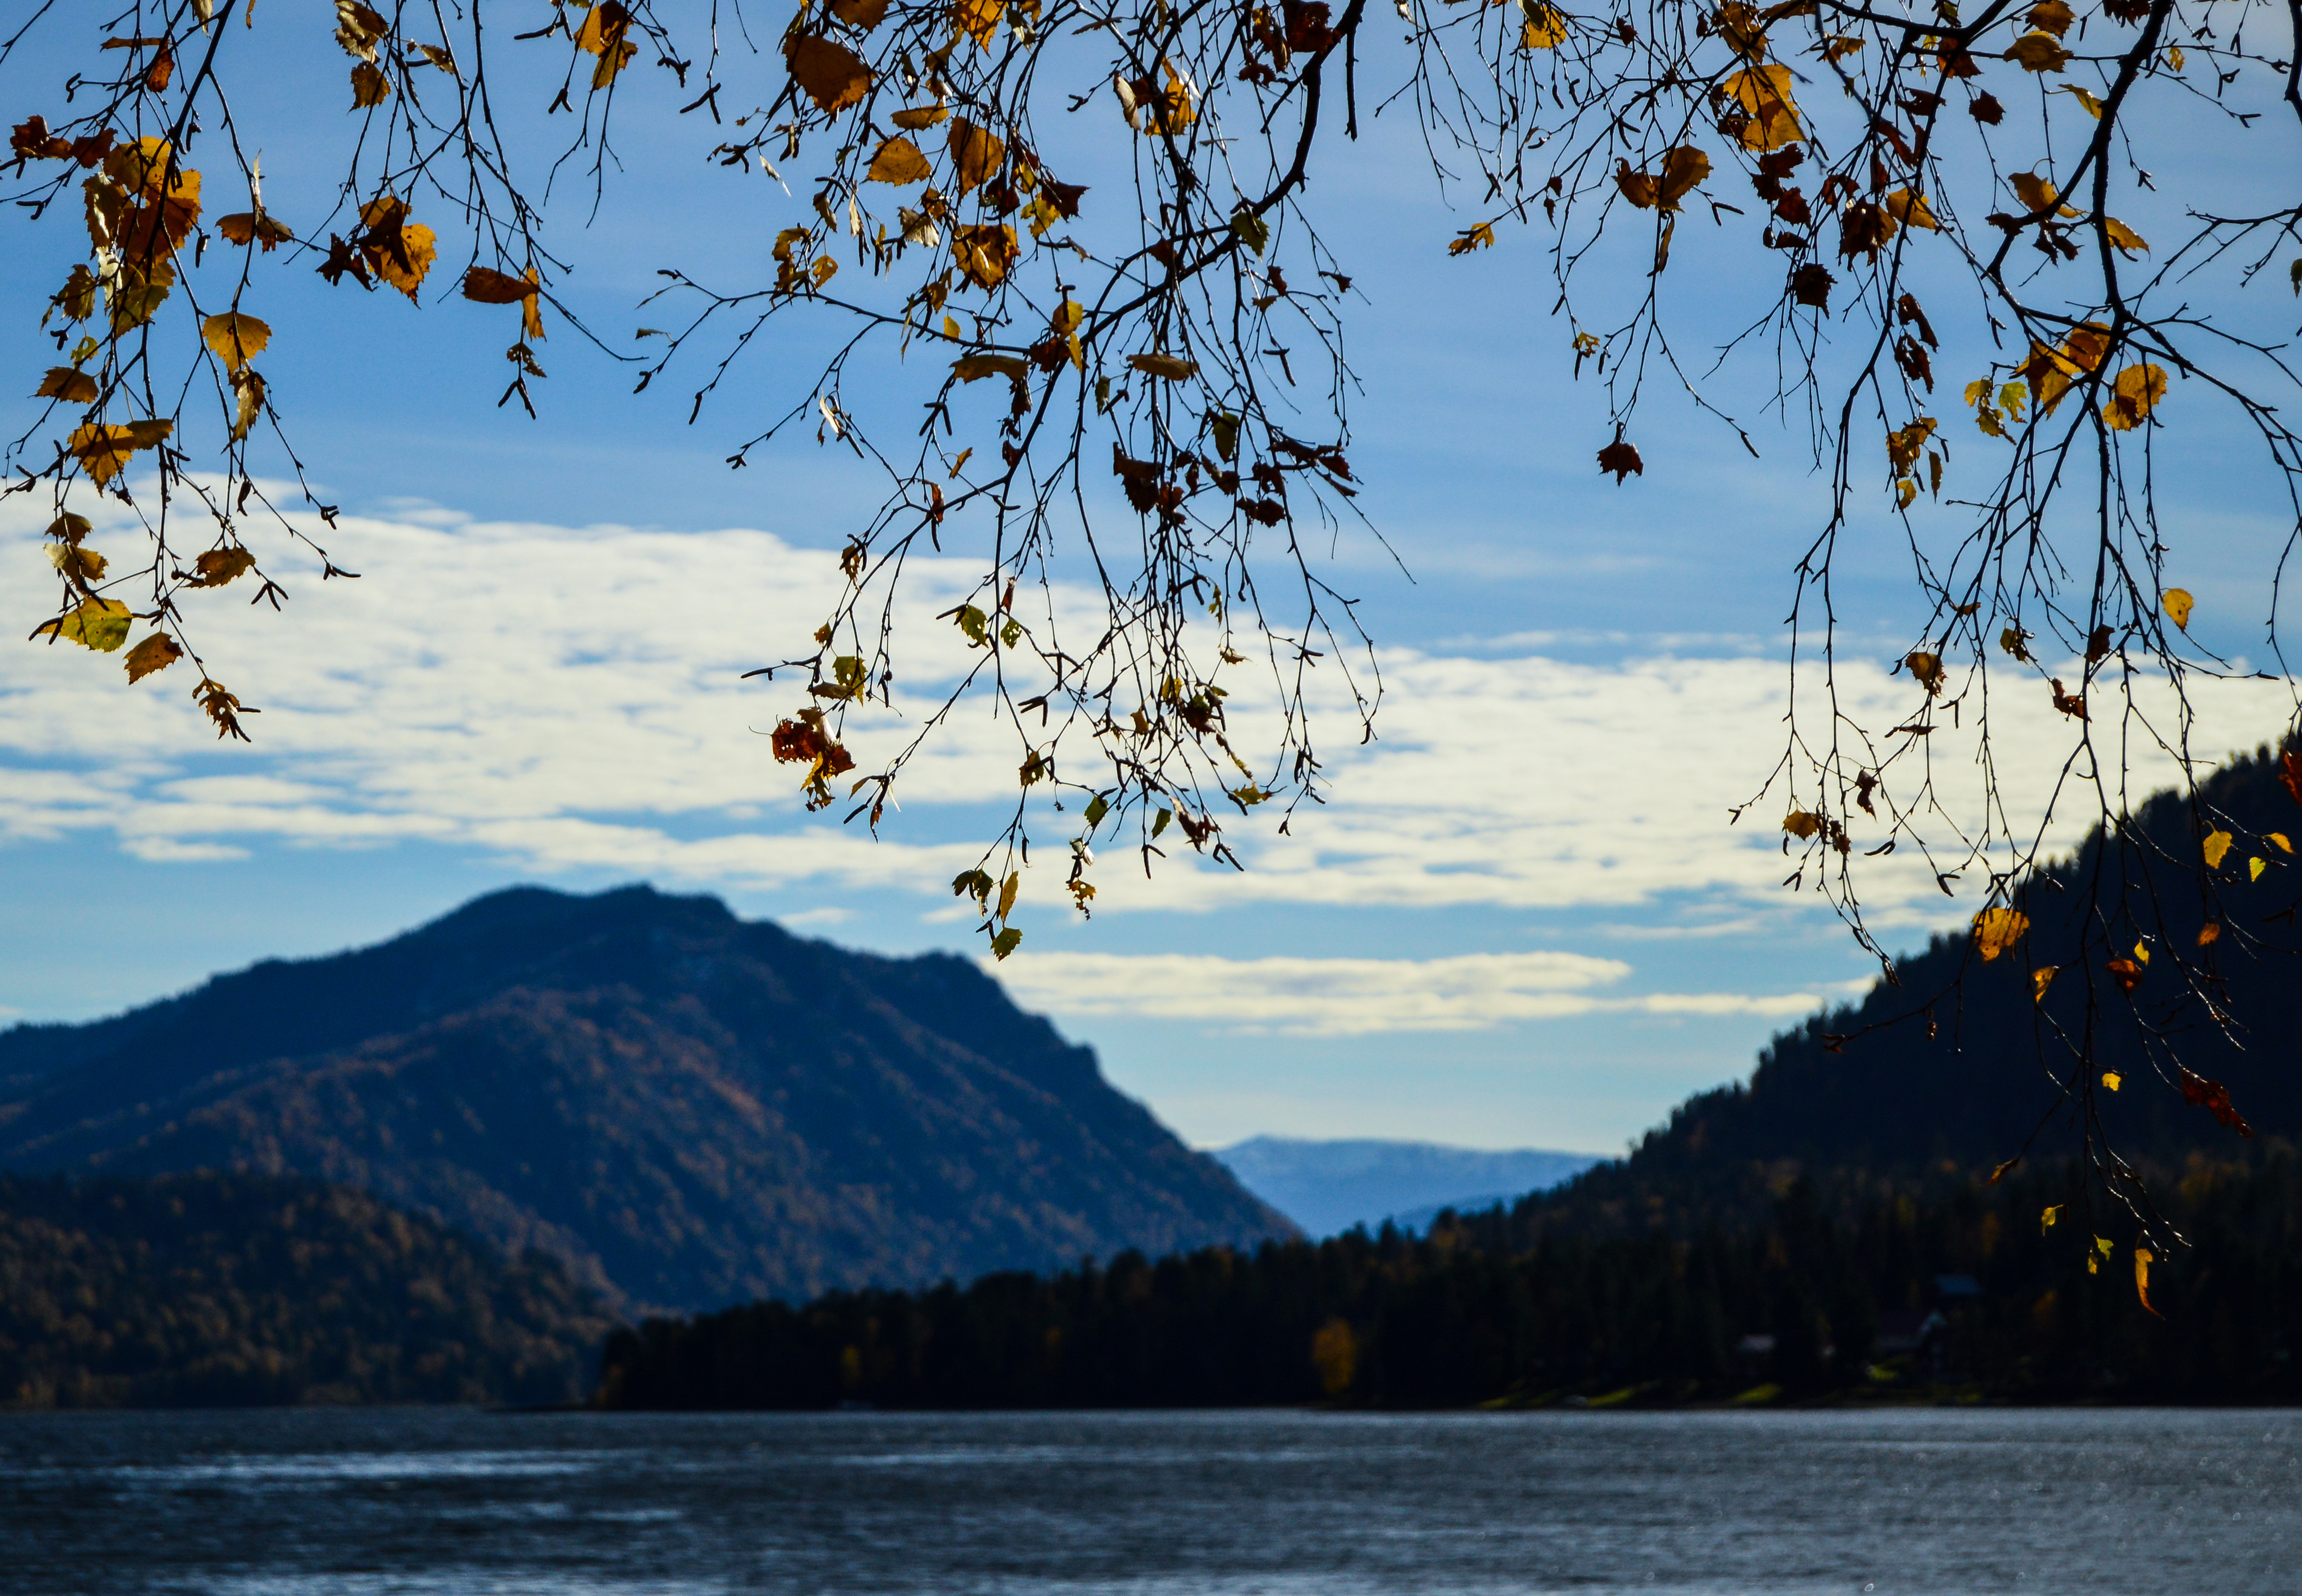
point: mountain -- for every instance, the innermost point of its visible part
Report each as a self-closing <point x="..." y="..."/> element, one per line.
<point x="1957" y="1065"/>
<point x="686" y="1108"/>
<point x="224" y="1291"/>
<point x="1327" y="1187"/>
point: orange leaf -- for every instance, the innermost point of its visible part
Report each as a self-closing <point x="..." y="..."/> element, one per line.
<point x="833" y="75"/>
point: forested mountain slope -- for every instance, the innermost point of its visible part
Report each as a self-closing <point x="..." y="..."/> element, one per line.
<point x="1950" y="1073"/>
<point x="220" y="1290"/>
<point x="687" y="1108"/>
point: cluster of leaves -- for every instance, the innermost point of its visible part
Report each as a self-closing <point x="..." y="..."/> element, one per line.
<point x="935" y="147"/>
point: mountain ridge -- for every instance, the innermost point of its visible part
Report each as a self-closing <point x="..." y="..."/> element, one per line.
<point x="685" y="1107"/>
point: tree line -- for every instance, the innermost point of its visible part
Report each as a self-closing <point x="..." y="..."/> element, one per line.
<point x="2007" y="1291"/>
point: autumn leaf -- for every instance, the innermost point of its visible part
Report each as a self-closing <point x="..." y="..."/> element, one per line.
<point x="2215" y="848"/>
<point x="2142" y="1261"/>
<point x="978" y="19"/>
<point x="1171" y="368"/>
<point x="983" y="252"/>
<point x="2048" y="1218"/>
<point x="2289" y="775"/>
<point x="2210" y="933"/>
<point x="1801" y="823"/>
<point x="970" y="367"/>
<point x="395" y="249"/>
<point x="98" y="623"/>
<point x="224" y="710"/>
<point x="898" y="160"/>
<point x="1909" y="207"/>
<point x="2178" y="602"/>
<point x="1545" y="28"/>
<point x="603" y="34"/>
<point x="155" y="653"/>
<point x="2085" y="98"/>
<point x="2123" y="237"/>
<point x="1768" y="115"/>
<point x="1904" y="444"/>
<point x="248" y="392"/>
<point x="370" y="86"/>
<point x="2038" y="53"/>
<point x="105" y="449"/>
<point x="1481" y="237"/>
<point x="2278" y="839"/>
<point x="2112" y="1080"/>
<point x="219" y="567"/>
<point x="1811" y="285"/>
<point x="62" y="382"/>
<point x="1006" y="943"/>
<point x="2037" y="194"/>
<point x="863" y="15"/>
<point x="2041" y="979"/>
<point x="1997" y="930"/>
<point x="2052" y="16"/>
<point x="2214" y="1097"/>
<point x="236" y="339"/>
<point x="2126" y="973"/>
<point x="360" y="30"/>
<point x="919" y="117"/>
<point x="976" y="154"/>
<point x="834" y="75"/>
<point x="247" y="227"/>
<point x="2133" y="395"/>
<point x="1622" y="458"/>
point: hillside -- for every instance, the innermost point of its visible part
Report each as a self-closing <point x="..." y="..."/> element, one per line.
<point x="686" y="1108"/>
<point x="221" y="1290"/>
<point x="1947" y="1074"/>
<point x="1327" y="1187"/>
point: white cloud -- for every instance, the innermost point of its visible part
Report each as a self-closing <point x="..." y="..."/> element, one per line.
<point x="1352" y="997"/>
<point x="571" y="698"/>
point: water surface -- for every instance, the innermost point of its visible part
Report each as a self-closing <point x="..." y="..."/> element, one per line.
<point x="455" y="1503"/>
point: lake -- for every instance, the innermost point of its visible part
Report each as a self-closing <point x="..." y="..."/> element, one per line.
<point x="450" y="1502"/>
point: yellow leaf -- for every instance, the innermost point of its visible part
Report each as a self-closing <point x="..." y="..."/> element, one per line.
<point x="236" y="339"/>
<point x="2053" y="16"/>
<point x="898" y="160"/>
<point x="2133" y="395"/>
<point x="99" y="623"/>
<point x="1801" y="824"/>
<point x="1927" y="668"/>
<point x="2111" y="1079"/>
<point x="2178" y="603"/>
<point x="1481" y="237"/>
<point x="62" y="382"/>
<point x="398" y="250"/>
<point x="218" y="567"/>
<point x="247" y="390"/>
<point x="155" y="653"/>
<point x="1545" y="28"/>
<point x="370" y="86"/>
<point x="1910" y="208"/>
<point x="1169" y="366"/>
<point x="2141" y="952"/>
<point x="2123" y="237"/>
<point x="2278" y="838"/>
<point x="2093" y="105"/>
<point x="834" y="75"/>
<point x="968" y="368"/>
<point x="2142" y="1262"/>
<point x="2036" y="193"/>
<point x="360" y="30"/>
<point x="2216" y="848"/>
<point x="983" y="252"/>
<point x="604" y="34"/>
<point x="2254" y="867"/>
<point x="2041" y="979"/>
<point x="1997" y="930"/>
<point x="105" y="449"/>
<point x="1067" y="319"/>
<point x="2039" y="53"/>
<point x="2046" y="1220"/>
<point x="978" y="19"/>
<point x="919" y="116"/>
<point x="1007" y="891"/>
<point x="2174" y="56"/>
<point x="1763" y="95"/>
<point x="976" y="154"/>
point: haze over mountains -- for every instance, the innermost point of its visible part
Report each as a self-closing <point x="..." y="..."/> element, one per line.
<point x="1327" y="1187"/>
<point x="685" y="1108"/>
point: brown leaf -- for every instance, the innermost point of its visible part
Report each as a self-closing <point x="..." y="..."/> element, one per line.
<point x="487" y="287"/>
<point x="218" y="567"/>
<point x="2214" y="1097"/>
<point x="1622" y="458"/>
<point x="834" y="75"/>
<point x="2038" y="53"/>
<point x="1172" y="367"/>
<point x="983" y="252"/>
<point x="1811" y="285"/>
<point x="920" y="117"/>
<point x="244" y="227"/>
<point x="155" y="653"/>
<point x="64" y="382"/>
<point x="2052" y="16"/>
<point x="862" y="14"/>
<point x="2126" y="973"/>
<point x="898" y="160"/>
<point x="1986" y="109"/>
<point x="603" y="34"/>
<point x="370" y="86"/>
<point x="976" y="153"/>
<point x="395" y="249"/>
<point x="360" y="30"/>
<point x="2289" y="775"/>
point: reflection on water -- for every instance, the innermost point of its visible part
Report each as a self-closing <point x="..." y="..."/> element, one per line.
<point x="452" y="1503"/>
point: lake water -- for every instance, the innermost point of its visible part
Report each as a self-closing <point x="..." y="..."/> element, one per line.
<point x="446" y="1503"/>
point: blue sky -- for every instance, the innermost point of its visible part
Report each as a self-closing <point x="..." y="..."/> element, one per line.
<point x="1523" y="919"/>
